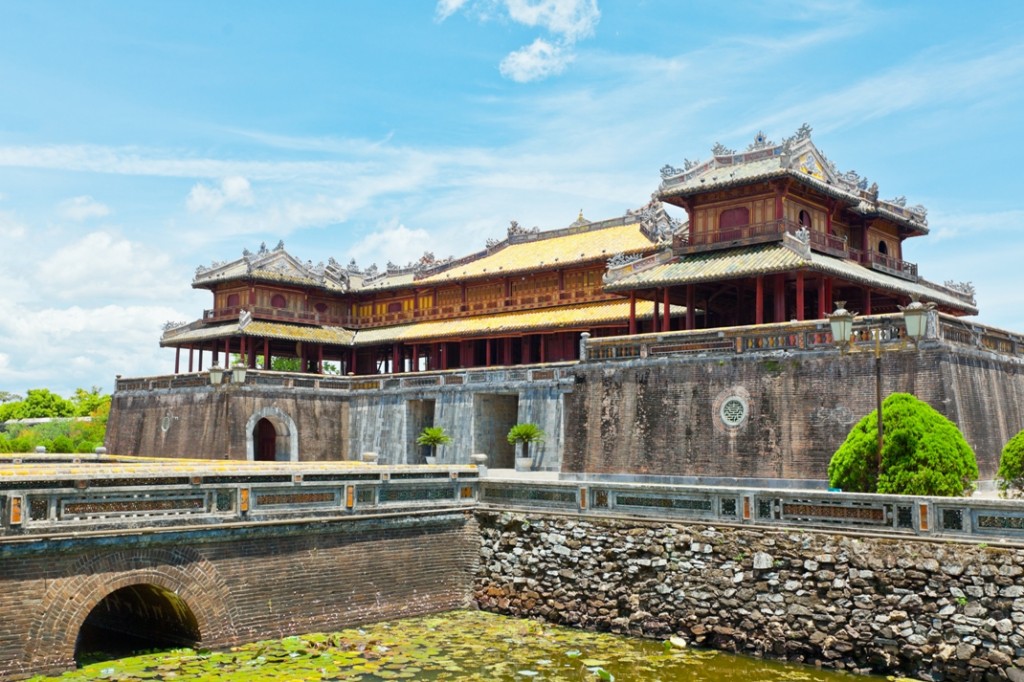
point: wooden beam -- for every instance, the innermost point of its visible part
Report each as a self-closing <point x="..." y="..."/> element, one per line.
<point x="759" y="301"/>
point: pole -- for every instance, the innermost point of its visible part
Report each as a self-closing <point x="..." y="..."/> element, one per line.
<point x="878" y="392"/>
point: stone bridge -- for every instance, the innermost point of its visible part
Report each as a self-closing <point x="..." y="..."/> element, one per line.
<point x="129" y="552"/>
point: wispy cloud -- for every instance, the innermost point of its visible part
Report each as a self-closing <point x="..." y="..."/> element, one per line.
<point x="565" y="21"/>
<point x="82" y="208"/>
<point x="233" y="190"/>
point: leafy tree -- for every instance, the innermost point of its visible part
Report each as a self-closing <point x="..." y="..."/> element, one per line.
<point x="923" y="453"/>
<point x="1011" y="467"/>
<point x="87" y="402"/>
<point x="433" y="436"/>
<point x="39" y="403"/>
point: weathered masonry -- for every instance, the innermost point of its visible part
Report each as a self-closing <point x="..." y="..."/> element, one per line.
<point x="187" y="553"/>
<point x="178" y="554"/>
<point x="762" y="401"/>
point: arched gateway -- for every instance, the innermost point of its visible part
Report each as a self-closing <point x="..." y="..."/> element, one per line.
<point x="271" y="436"/>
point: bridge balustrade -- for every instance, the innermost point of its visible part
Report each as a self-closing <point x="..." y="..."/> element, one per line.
<point x="66" y="502"/>
<point x="982" y="520"/>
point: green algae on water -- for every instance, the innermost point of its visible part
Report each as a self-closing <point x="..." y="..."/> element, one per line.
<point x="460" y="645"/>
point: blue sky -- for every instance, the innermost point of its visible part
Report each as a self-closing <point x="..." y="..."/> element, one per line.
<point x="139" y="140"/>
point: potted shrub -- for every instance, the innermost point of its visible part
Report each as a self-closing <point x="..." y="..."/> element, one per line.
<point x="433" y="436"/>
<point x="521" y="435"/>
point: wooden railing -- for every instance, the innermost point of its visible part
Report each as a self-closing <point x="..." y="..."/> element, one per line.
<point x="773" y="230"/>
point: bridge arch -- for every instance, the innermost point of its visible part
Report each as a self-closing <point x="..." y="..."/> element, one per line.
<point x="286" y="434"/>
<point x="177" y="578"/>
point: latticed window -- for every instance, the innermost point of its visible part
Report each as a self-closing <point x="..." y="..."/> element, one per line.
<point x="278" y="301"/>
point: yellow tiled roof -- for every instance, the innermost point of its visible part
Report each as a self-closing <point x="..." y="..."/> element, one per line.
<point x="569" y="249"/>
<point x="259" y="329"/>
<point x="563" y="317"/>
<point x="751" y="261"/>
<point x="295" y="332"/>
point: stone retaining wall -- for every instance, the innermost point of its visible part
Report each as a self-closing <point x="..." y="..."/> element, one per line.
<point x="863" y="604"/>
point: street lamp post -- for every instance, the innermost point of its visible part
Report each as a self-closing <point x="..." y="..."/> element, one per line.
<point x="915" y="316"/>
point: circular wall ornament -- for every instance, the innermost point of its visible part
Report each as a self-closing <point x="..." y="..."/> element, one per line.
<point x="733" y="411"/>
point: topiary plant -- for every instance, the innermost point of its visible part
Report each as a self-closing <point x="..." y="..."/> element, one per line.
<point x="923" y="453"/>
<point x="1011" y="468"/>
<point x="433" y="436"/>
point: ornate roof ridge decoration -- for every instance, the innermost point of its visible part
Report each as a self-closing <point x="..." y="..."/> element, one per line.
<point x="965" y="288"/>
<point x="278" y="264"/>
<point x="796" y="155"/>
<point x="655" y="222"/>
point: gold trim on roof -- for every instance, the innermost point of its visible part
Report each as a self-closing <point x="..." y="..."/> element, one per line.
<point x="562" y="317"/>
<point x="338" y="336"/>
<point x="752" y="261"/>
<point x="549" y="254"/>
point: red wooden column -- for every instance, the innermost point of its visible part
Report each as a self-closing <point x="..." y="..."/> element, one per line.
<point x="691" y="302"/>
<point x="177" y="360"/>
<point x="443" y="355"/>
<point x="415" y="357"/>
<point x="396" y="359"/>
<point x="543" y="342"/>
<point x="759" y="301"/>
<point x="241" y="348"/>
<point x="320" y="359"/>
<point x="867" y="301"/>
<point x="227" y="352"/>
<point x="823" y="308"/>
<point x="655" y="327"/>
<point x="266" y="353"/>
<point x="667" y="324"/>
<point x="201" y="357"/>
<point x="487" y="353"/>
<point x="190" y="360"/>
<point x="800" y="295"/>
<point x="632" y="313"/>
<point x="779" y="297"/>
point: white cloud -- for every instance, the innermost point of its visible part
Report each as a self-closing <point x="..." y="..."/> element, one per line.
<point x="233" y="190"/>
<point x="568" y="21"/>
<point x="10" y="227"/>
<point x="102" y="264"/>
<point x="538" y="60"/>
<point x="82" y="208"/>
<point x="571" y="19"/>
<point x="446" y="8"/>
<point x="395" y="243"/>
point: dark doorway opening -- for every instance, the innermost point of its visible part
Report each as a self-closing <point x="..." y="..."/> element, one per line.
<point x="419" y="415"/>
<point x="493" y="415"/>
<point x="133" y="619"/>
<point x="265" y="439"/>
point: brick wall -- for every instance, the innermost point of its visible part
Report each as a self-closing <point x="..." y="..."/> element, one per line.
<point x="242" y="584"/>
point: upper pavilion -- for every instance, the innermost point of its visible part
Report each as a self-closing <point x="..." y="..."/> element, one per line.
<point x="774" y="233"/>
<point x="777" y="233"/>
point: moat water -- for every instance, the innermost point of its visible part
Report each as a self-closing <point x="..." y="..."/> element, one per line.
<point x="460" y="645"/>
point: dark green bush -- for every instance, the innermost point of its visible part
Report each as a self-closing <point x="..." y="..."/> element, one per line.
<point x="923" y="453"/>
<point x="1011" y="467"/>
<point x="62" y="444"/>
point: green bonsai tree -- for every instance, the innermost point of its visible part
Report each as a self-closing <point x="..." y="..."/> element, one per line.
<point x="923" y="453"/>
<point x="525" y="433"/>
<point x="1010" y="476"/>
<point x="433" y="436"/>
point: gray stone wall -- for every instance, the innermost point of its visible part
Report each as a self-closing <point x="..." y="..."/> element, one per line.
<point x="893" y="606"/>
<point x="663" y="415"/>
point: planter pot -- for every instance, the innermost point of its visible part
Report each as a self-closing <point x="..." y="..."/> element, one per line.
<point x="431" y="460"/>
<point x="524" y="463"/>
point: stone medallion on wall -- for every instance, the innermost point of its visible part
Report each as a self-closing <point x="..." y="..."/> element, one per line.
<point x="730" y="410"/>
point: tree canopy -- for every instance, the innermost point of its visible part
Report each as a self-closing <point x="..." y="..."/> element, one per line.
<point x="923" y="453"/>
<point x="1011" y="467"/>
